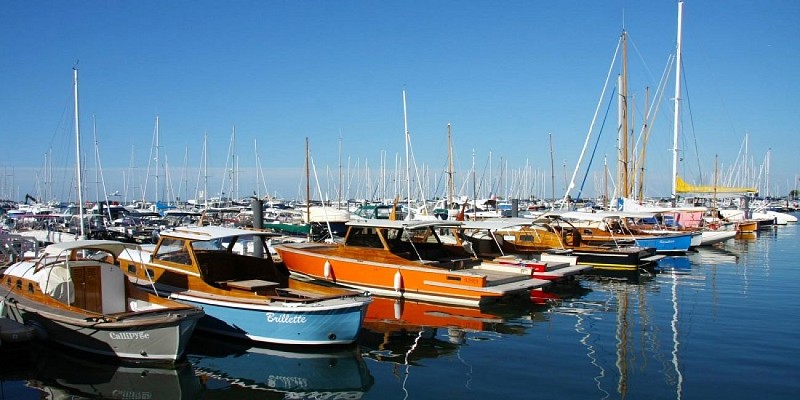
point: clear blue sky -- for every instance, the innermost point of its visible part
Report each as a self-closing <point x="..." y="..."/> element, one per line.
<point x="505" y="74"/>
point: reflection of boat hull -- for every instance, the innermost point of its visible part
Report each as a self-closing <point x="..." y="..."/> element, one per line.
<point x="675" y="264"/>
<point x="334" y="373"/>
<point x="65" y="374"/>
<point x="384" y="313"/>
<point x="712" y="255"/>
<point x="747" y="235"/>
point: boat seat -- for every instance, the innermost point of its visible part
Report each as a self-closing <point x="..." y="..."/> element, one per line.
<point x="249" y="285"/>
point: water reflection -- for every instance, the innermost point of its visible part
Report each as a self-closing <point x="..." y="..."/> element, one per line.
<point x="395" y="327"/>
<point x="622" y="333"/>
<point x="675" y="264"/>
<point x="238" y="368"/>
<point x="714" y="256"/>
<point x="61" y="374"/>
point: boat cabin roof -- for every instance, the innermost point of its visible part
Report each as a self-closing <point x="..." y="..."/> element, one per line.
<point x="211" y="233"/>
<point x="403" y="224"/>
<point x="494" y="224"/>
<point x="111" y="246"/>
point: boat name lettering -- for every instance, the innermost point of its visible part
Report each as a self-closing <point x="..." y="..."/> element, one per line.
<point x="285" y="319"/>
<point x="287" y="382"/>
<point x="129" y="335"/>
<point x="127" y="394"/>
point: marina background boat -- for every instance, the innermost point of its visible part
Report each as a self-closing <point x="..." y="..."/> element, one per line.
<point x="685" y="331"/>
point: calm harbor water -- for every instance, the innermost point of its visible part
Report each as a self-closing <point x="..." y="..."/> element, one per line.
<point x="718" y="323"/>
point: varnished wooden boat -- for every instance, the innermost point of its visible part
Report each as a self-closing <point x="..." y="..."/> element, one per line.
<point x="78" y="298"/>
<point x="244" y="294"/>
<point x="407" y="259"/>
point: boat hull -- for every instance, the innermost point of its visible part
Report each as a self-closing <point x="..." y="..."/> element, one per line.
<point x="149" y="338"/>
<point x="713" y="237"/>
<point x="395" y="277"/>
<point x="336" y="321"/>
<point x="674" y="243"/>
<point x="623" y="258"/>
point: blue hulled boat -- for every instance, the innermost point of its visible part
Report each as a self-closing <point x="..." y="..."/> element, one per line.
<point x="245" y="295"/>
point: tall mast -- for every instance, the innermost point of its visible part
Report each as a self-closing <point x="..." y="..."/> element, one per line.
<point x="308" y="192"/>
<point x="623" y="122"/>
<point x="408" y="140"/>
<point x="450" y="183"/>
<point x="766" y="171"/>
<point x="552" y="171"/>
<point x="78" y="151"/>
<point x="205" y="171"/>
<point x="158" y="186"/>
<point x="643" y="153"/>
<point x="676" y="123"/>
<point x="605" y="184"/>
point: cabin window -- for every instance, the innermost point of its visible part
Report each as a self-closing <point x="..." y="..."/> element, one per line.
<point x="19" y="283"/>
<point x="425" y="235"/>
<point x="131" y="269"/>
<point x="364" y="237"/>
<point x="150" y="273"/>
<point x="30" y="287"/>
<point x="209" y="245"/>
<point x="173" y="250"/>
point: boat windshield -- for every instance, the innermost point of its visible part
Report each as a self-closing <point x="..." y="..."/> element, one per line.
<point x="209" y="245"/>
<point x="172" y="250"/>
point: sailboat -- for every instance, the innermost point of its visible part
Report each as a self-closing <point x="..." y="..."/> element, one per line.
<point x="78" y="298"/>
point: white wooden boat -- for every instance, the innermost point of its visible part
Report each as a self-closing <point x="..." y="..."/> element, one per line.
<point x="75" y="296"/>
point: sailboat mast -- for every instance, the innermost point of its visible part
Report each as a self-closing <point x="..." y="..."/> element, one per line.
<point x="158" y="166"/>
<point x="308" y="191"/>
<point x="450" y="183"/>
<point x="408" y="139"/>
<point x="205" y="171"/>
<point x="552" y="171"/>
<point x="676" y="123"/>
<point x="78" y="151"/>
<point x="623" y="122"/>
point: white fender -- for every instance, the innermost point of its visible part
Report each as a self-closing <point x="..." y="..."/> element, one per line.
<point x="398" y="310"/>
<point x="327" y="269"/>
<point x="398" y="282"/>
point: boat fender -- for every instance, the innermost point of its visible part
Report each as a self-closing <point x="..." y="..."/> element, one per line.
<point x="398" y="309"/>
<point x="326" y="270"/>
<point x="398" y="282"/>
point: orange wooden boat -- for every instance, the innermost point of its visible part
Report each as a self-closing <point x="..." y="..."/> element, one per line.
<point x="408" y="259"/>
<point x="747" y="226"/>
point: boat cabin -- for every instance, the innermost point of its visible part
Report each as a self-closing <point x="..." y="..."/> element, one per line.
<point x="411" y="240"/>
<point x="218" y="255"/>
